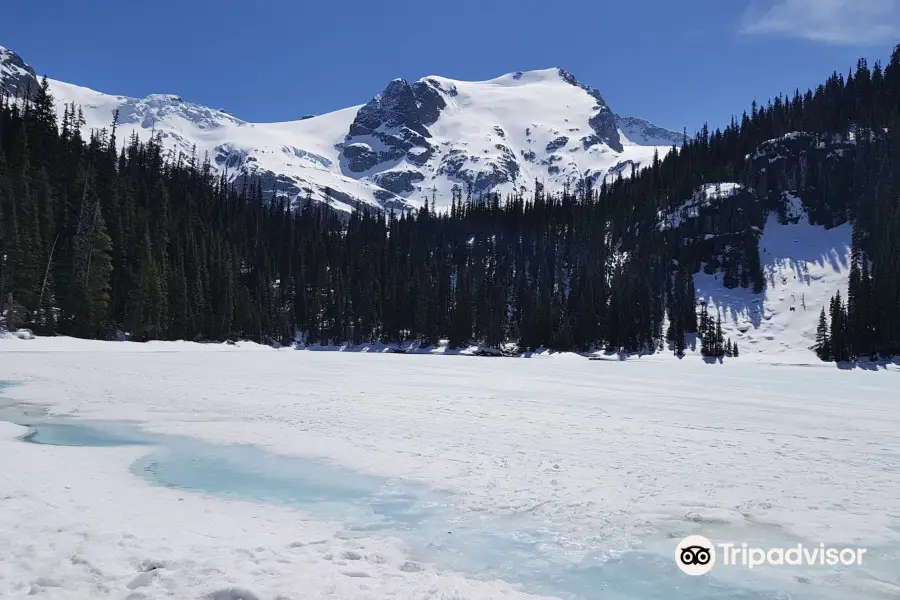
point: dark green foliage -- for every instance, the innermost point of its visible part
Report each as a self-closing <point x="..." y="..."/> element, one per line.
<point x="94" y="238"/>
<point x="823" y="341"/>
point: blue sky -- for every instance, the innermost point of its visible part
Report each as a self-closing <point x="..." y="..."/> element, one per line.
<point x="677" y="63"/>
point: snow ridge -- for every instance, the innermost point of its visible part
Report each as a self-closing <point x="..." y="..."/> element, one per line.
<point x="411" y="141"/>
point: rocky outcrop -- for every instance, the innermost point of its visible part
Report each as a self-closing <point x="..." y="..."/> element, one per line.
<point x="394" y="125"/>
<point x="603" y="121"/>
<point x="456" y="164"/>
<point x="360" y="157"/>
<point x="556" y="144"/>
<point x="399" y="182"/>
<point x="17" y="79"/>
<point x="809" y="165"/>
<point x="435" y="130"/>
<point x="646" y="133"/>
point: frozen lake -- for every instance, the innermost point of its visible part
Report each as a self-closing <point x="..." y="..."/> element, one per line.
<point x="515" y="548"/>
<point x="465" y="478"/>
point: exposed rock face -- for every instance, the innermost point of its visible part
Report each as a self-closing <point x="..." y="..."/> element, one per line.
<point x="506" y="134"/>
<point x="622" y="168"/>
<point x="644" y="132"/>
<point x="16" y="77"/>
<point x="398" y="182"/>
<point x="603" y="121"/>
<point x="799" y="163"/>
<point x="360" y="157"/>
<point x="393" y="125"/>
<point x="429" y="101"/>
<point x="556" y="144"/>
<point x="231" y="157"/>
<point x="605" y="129"/>
<point x="456" y="164"/>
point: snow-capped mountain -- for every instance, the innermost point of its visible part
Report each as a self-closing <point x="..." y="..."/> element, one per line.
<point x="16" y="77"/>
<point x="411" y="141"/>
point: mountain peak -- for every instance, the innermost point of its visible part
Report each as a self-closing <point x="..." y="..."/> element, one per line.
<point x="173" y="98"/>
<point x="567" y="77"/>
<point x="16" y="76"/>
<point x="413" y="138"/>
<point x="523" y="78"/>
<point x="571" y="80"/>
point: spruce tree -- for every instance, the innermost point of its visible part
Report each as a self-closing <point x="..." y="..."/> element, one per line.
<point x="719" y="347"/>
<point x="680" y="342"/>
<point x="194" y="255"/>
<point x="823" y="345"/>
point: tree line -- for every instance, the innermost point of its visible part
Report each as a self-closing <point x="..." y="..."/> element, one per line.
<point x="99" y="238"/>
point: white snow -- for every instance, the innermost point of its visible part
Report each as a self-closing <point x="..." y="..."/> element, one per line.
<point x="564" y="465"/>
<point x="704" y="195"/>
<point x="7" y="69"/>
<point x="793" y="206"/>
<point x="804" y="266"/>
<point x="75" y="524"/>
<point x="720" y="190"/>
<point x="303" y="150"/>
<point x="490" y="121"/>
<point x="640" y="132"/>
<point x="601" y="458"/>
<point x="521" y="113"/>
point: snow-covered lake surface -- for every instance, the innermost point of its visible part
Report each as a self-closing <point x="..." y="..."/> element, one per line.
<point x="188" y="471"/>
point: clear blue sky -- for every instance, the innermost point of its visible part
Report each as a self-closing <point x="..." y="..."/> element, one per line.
<point x="677" y="63"/>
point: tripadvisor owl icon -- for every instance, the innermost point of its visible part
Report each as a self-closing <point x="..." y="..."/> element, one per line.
<point x="695" y="555"/>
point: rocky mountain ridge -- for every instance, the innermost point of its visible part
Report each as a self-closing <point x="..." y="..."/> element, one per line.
<point x="414" y="140"/>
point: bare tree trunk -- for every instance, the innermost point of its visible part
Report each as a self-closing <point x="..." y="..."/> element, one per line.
<point x="10" y="313"/>
<point x="47" y="273"/>
<point x="87" y="271"/>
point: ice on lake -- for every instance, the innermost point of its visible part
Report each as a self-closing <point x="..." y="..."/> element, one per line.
<point x="435" y="531"/>
<point x="564" y="478"/>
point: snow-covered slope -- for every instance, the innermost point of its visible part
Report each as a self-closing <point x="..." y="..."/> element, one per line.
<point x="411" y="141"/>
<point x="503" y="134"/>
<point x="804" y="265"/>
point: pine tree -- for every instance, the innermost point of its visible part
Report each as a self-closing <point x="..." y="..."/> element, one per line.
<point x="703" y="326"/>
<point x="838" y="329"/>
<point x="690" y="325"/>
<point x="196" y="256"/>
<point x="680" y="342"/>
<point x="823" y="345"/>
<point x="719" y="348"/>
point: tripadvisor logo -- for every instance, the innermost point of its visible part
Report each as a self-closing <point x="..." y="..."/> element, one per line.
<point x="697" y="555"/>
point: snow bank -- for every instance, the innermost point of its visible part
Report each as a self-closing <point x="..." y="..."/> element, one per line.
<point x="594" y="452"/>
<point x="804" y="266"/>
<point x="76" y="524"/>
<point x="10" y="431"/>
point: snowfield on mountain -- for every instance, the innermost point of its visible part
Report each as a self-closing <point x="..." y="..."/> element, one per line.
<point x="412" y="141"/>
